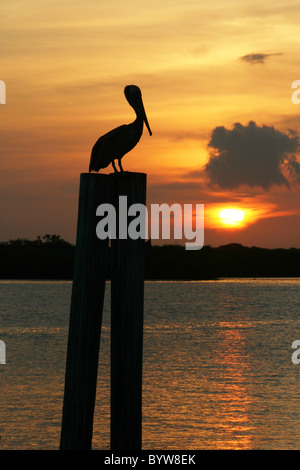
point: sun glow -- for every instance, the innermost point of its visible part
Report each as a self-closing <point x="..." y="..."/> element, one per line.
<point x="232" y="217"/>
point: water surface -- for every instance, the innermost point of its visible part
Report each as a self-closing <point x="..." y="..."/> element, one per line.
<point x="217" y="365"/>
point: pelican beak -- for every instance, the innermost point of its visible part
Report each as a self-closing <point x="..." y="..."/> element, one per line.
<point x="147" y="124"/>
<point x="143" y="112"/>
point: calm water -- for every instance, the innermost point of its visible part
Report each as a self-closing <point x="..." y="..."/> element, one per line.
<point x="217" y="365"/>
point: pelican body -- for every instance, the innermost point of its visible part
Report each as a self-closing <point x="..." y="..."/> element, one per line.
<point x="116" y="143"/>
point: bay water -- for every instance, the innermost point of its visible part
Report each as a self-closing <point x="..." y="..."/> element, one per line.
<point x="217" y="367"/>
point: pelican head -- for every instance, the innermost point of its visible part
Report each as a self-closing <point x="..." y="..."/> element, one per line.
<point x="134" y="97"/>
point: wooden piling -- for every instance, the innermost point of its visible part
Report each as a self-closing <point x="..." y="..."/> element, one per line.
<point x="91" y="256"/>
<point x="127" y="299"/>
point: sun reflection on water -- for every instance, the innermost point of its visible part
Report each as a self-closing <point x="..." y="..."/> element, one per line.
<point x="235" y="396"/>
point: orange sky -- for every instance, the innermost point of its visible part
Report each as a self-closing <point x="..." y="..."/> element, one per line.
<point x="200" y="67"/>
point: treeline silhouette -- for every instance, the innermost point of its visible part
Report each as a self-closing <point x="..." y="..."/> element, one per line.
<point x="51" y="257"/>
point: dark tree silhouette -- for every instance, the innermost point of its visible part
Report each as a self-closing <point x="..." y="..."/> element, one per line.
<point x="51" y="257"/>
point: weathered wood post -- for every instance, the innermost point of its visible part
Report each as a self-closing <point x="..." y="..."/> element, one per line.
<point x="91" y="256"/>
<point x="127" y="302"/>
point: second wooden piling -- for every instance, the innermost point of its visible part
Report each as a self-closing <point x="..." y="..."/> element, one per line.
<point x="127" y="303"/>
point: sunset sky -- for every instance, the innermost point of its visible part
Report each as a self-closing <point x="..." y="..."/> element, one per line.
<point x="216" y="79"/>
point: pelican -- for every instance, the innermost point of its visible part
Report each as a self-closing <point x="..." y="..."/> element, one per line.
<point x="116" y="143"/>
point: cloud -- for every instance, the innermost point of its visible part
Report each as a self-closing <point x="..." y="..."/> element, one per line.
<point x="258" y="58"/>
<point x="251" y="155"/>
<point x="293" y="169"/>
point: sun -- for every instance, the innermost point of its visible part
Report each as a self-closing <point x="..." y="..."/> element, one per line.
<point x="233" y="217"/>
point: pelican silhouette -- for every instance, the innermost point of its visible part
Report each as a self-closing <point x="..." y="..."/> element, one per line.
<point x="116" y="143"/>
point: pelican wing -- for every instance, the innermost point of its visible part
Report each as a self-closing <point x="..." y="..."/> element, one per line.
<point x="112" y="145"/>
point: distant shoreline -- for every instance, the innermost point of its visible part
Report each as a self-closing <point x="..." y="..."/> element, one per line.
<point x="52" y="258"/>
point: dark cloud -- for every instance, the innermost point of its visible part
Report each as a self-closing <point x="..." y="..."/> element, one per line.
<point x="251" y="155"/>
<point x="257" y="58"/>
<point x="293" y="169"/>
